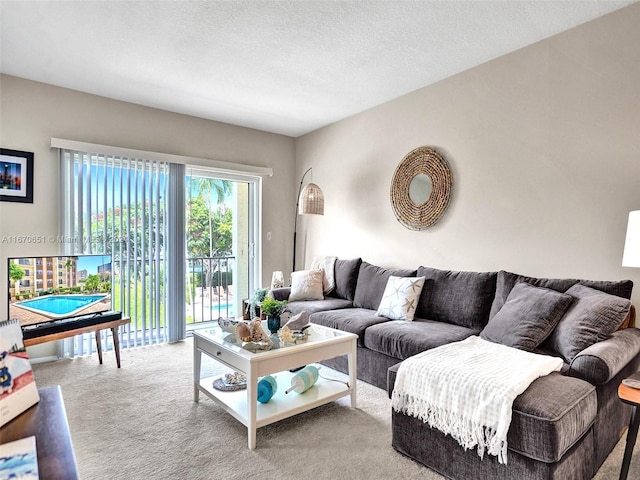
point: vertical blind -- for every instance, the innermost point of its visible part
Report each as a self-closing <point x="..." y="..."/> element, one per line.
<point x="119" y="206"/>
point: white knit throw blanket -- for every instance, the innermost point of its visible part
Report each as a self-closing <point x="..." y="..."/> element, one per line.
<point x="466" y="389"/>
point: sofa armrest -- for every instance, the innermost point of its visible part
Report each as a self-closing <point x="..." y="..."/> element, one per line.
<point x="600" y="362"/>
<point x="280" y="293"/>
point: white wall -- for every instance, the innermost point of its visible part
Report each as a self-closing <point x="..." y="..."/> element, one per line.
<point x="544" y="145"/>
<point x="31" y="113"/>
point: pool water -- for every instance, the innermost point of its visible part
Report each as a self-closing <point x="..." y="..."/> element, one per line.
<point x="222" y="309"/>
<point x="60" y="304"/>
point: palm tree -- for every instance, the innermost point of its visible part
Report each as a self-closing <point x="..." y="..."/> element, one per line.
<point x="69" y="267"/>
<point x="16" y="274"/>
<point x="92" y="283"/>
<point x="207" y="189"/>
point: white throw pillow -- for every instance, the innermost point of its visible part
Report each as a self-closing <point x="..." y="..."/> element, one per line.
<point x="306" y="285"/>
<point x="327" y="265"/>
<point x="400" y="298"/>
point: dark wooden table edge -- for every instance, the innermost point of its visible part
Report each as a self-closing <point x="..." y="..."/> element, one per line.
<point x="47" y="421"/>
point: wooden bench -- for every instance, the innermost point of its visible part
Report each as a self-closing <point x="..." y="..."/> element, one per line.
<point x="114" y="325"/>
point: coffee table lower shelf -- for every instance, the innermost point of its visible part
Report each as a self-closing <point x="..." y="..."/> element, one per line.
<point x="281" y="405"/>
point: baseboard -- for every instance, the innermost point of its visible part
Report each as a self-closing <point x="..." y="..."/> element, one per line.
<point x="51" y="358"/>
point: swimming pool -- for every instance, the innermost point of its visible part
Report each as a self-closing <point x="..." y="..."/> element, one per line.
<point x="61" y="306"/>
<point x="226" y="308"/>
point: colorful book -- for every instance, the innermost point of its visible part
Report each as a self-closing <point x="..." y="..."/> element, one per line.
<point x="19" y="460"/>
<point x="18" y="389"/>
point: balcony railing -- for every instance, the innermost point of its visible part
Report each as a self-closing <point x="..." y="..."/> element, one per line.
<point x="210" y="289"/>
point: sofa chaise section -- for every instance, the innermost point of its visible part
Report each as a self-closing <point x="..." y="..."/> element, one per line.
<point x="551" y="420"/>
<point x="558" y="429"/>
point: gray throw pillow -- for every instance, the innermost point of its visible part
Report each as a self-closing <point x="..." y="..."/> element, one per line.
<point x="372" y="281"/>
<point x="461" y="298"/>
<point x="346" y="275"/>
<point x="507" y="280"/>
<point x="593" y="317"/>
<point x="527" y="318"/>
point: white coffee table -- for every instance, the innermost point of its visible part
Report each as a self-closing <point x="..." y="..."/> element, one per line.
<point x="322" y="343"/>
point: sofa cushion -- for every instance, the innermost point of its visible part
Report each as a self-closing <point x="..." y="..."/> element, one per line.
<point x="346" y="276"/>
<point x="400" y="298"/>
<point x="400" y="339"/>
<point x="527" y="317"/>
<point x="461" y="298"/>
<point x="353" y="320"/>
<point x="372" y="281"/>
<point x="548" y="418"/>
<point x="507" y="280"/>
<point x="306" y="285"/>
<point x="312" y="306"/>
<point x="593" y="317"/>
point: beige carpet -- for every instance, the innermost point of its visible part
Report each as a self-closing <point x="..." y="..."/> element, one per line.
<point x="140" y="422"/>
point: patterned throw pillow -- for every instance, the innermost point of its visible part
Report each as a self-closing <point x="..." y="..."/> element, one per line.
<point x="327" y="265"/>
<point x="306" y="285"/>
<point x="400" y="298"/>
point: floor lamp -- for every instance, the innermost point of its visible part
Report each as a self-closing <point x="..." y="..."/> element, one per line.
<point x="631" y="256"/>
<point x="310" y="201"/>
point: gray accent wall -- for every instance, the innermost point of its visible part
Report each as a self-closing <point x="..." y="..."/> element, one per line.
<point x="544" y="147"/>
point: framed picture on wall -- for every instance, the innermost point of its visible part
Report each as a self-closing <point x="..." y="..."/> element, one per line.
<point x="16" y="176"/>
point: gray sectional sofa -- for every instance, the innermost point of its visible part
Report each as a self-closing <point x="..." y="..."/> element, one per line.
<point x="563" y="426"/>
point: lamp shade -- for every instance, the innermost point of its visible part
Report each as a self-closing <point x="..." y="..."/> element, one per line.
<point x="311" y="201"/>
<point x="631" y="256"/>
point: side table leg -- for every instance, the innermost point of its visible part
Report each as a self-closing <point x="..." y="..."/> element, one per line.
<point x="252" y="403"/>
<point x="197" y="358"/>
<point x="632" y="433"/>
<point x="99" y="346"/>
<point x="353" y="377"/>
<point x="116" y="344"/>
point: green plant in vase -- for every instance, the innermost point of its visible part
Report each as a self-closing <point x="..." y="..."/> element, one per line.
<point x="273" y="308"/>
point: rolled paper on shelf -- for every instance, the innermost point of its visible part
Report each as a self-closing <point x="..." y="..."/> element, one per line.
<point x="267" y="388"/>
<point x="303" y="380"/>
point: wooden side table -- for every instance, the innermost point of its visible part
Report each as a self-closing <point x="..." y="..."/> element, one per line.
<point x="114" y="325"/>
<point x="630" y="396"/>
<point x="47" y="421"/>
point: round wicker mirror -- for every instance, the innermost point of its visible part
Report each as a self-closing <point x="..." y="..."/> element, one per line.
<point x="409" y="188"/>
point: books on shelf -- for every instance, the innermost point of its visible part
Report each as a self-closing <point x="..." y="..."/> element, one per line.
<point x="19" y="460"/>
<point x="18" y="389"/>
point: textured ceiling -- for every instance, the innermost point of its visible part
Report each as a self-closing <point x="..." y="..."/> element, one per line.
<point x="287" y="66"/>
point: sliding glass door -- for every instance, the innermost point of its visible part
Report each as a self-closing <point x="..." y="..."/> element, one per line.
<point x="220" y="229"/>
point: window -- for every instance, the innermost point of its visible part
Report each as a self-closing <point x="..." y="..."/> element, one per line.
<point x="118" y="206"/>
<point x="134" y="209"/>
